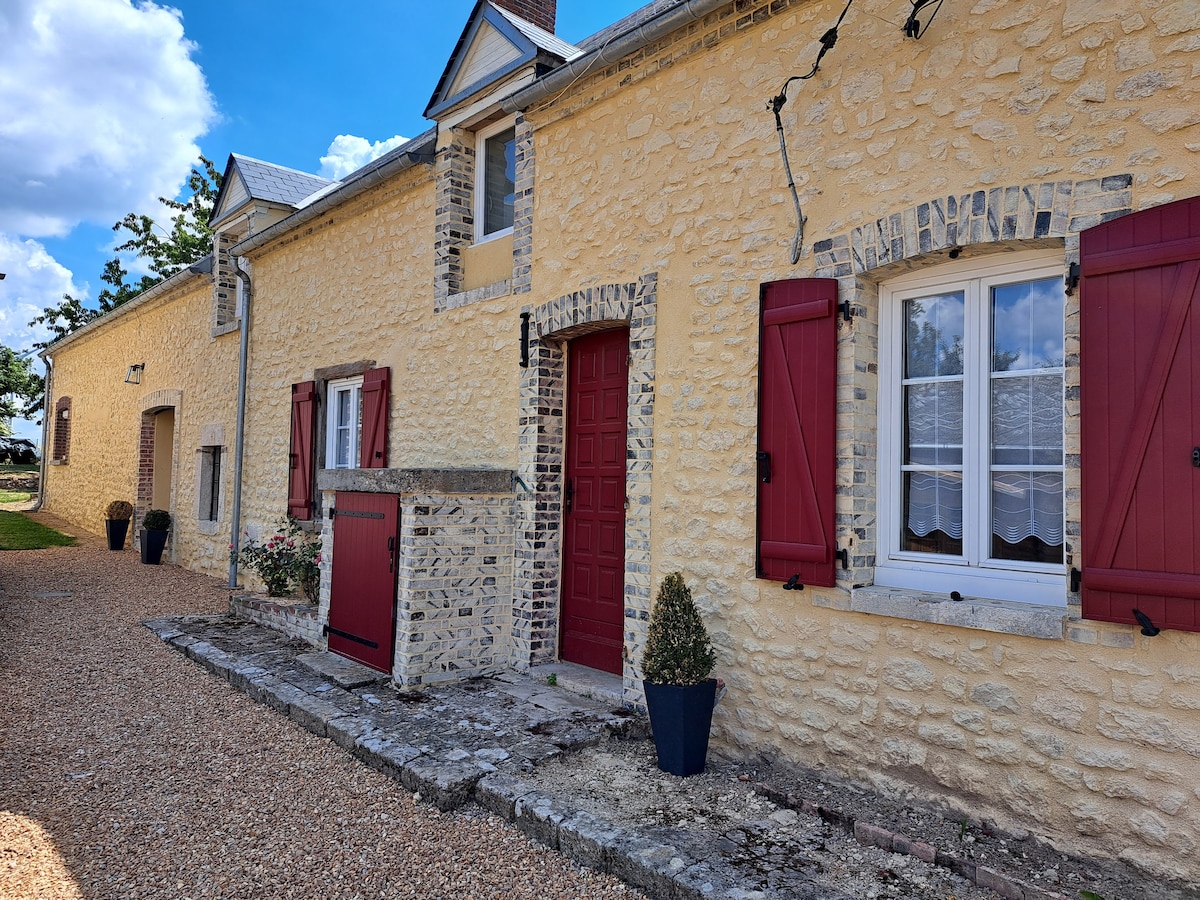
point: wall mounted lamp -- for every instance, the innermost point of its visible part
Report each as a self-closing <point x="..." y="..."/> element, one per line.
<point x="134" y="375"/>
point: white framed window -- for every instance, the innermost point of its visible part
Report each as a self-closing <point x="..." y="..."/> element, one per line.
<point x="495" y="179"/>
<point x="971" y="415"/>
<point x="343" y="424"/>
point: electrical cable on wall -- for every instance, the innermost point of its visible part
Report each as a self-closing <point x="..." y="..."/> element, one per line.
<point x="828" y="39"/>
<point x="913" y="27"/>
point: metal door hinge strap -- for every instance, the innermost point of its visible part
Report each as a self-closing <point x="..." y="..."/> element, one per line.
<point x="329" y="629"/>
<point x="356" y="514"/>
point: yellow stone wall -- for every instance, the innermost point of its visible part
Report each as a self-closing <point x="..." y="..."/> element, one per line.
<point x="360" y="287"/>
<point x="170" y="334"/>
<point x="670" y="163"/>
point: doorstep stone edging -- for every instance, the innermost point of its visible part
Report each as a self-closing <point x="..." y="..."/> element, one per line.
<point x="660" y="869"/>
<point x="896" y="842"/>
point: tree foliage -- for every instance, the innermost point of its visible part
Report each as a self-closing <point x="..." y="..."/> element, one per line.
<point x="20" y="389"/>
<point x="165" y="251"/>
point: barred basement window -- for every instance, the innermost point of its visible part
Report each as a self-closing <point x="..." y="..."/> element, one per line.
<point x="210" y="484"/>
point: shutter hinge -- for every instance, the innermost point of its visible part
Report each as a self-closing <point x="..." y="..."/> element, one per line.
<point x="332" y="512"/>
<point x="1071" y="281"/>
<point x="847" y="313"/>
<point x="1076" y="580"/>
<point x="844" y="555"/>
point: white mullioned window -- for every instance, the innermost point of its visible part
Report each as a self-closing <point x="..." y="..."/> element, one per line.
<point x="343" y="424"/>
<point x="971" y="430"/>
<point x="495" y="180"/>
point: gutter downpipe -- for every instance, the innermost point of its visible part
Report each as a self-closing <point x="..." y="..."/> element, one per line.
<point x="240" y="435"/>
<point x="620" y="47"/>
<point x="47" y="387"/>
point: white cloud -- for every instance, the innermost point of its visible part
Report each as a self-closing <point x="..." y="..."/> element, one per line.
<point x="34" y="280"/>
<point x="100" y="108"/>
<point x="348" y="153"/>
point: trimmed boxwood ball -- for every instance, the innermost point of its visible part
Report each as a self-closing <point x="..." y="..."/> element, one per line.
<point x="119" y="511"/>
<point x="157" y="520"/>
<point x="678" y="649"/>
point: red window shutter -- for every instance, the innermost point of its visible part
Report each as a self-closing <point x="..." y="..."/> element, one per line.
<point x="1139" y="396"/>
<point x="797" y="420"/>
<point x="300" y="457"/>
<point x="373" y="449"/>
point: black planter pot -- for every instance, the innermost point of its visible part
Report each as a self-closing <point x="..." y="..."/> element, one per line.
<point x="152" y="546"/>
<point x="117" y="529"/>
<point x="680" y="718"/>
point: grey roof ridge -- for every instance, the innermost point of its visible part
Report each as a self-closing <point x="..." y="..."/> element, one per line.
<point x="163" y="287"/>
<point x="271" y="165"/>
<point x="418" y="150"/>
<point x="613" y="49"/>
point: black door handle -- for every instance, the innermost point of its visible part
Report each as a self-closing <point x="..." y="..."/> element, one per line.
<point x="569" y="495"/>
<point x="391" y="553"/>
<point x="1196" y="457"/>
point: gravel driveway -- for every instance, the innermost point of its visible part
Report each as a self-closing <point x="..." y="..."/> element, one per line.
<point x="125" y="771"/>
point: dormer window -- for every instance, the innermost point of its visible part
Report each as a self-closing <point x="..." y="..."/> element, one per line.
<point x="496" y="161"/>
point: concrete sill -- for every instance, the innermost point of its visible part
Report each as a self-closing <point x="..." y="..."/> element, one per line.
<point x="1003" y="617"/>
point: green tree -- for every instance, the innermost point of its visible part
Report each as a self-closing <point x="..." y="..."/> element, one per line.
<point x="166" y="251"/>
<point x="20" y="389"/>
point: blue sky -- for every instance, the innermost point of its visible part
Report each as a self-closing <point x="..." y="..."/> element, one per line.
<point x="104" y="105"/>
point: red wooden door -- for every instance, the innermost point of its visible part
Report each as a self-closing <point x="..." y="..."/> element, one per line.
<point x="362" y="599"/>
<point x="1140" y="416"/>
<point x="593" y="593"/>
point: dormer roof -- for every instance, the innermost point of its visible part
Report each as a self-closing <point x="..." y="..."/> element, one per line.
<point x="495" y="44"/>
<point x="252" y="180"/>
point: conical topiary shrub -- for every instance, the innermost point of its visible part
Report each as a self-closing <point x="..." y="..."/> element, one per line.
<point x="678" y="649"/>
<point x="676" y="666"/>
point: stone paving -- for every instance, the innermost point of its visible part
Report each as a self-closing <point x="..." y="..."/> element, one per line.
<point x="472" y="742"/>
<point x="479" y="741"/>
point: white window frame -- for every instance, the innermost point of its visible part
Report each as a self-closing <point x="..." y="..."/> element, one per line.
<point x="332" y="389"/>
<point x="481" y="138"/>
<point x="974" y="574"/>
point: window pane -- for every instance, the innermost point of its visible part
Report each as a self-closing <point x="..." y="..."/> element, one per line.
<point x="933" y="423"/>
<point x="1027" y="516"/>
<point x="500" y="173"/>
<point x="1027" y="420"/>
<point x="1027" y="325"/>
<point x="932" y="512"/>
<point x="343" y="426"/>
<point x="933" y="336"/>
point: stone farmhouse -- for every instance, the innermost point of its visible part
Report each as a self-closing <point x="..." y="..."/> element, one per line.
<point x="923" y="435"/>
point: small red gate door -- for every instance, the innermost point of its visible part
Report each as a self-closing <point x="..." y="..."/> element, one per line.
<point x="362" y="599"/>
<point x="593" y="593"/>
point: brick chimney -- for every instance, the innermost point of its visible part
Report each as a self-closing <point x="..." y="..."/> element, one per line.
<point x="539" y="12"/>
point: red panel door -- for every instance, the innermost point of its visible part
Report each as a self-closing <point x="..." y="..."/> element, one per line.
<point x="1140" y="416"/>
<point x="362" y="600"/>
<point x="593" y="593"/>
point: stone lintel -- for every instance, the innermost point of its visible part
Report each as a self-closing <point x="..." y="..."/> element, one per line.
<point x="418" y="481"/>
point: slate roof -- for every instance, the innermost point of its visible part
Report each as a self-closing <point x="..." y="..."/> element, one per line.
<point x="278" y="184"/>
<point x="630" y="22"/>
<point x="543" y="39"/>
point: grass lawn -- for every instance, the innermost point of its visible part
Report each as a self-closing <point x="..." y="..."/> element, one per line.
<point x="19" y="467"/>
<point x="19" y="532"/>
<point x="14" y="496"/>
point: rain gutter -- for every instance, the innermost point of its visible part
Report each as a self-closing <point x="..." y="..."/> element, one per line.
<point x="612" y="51"/>
<point x="235" y="530"/>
